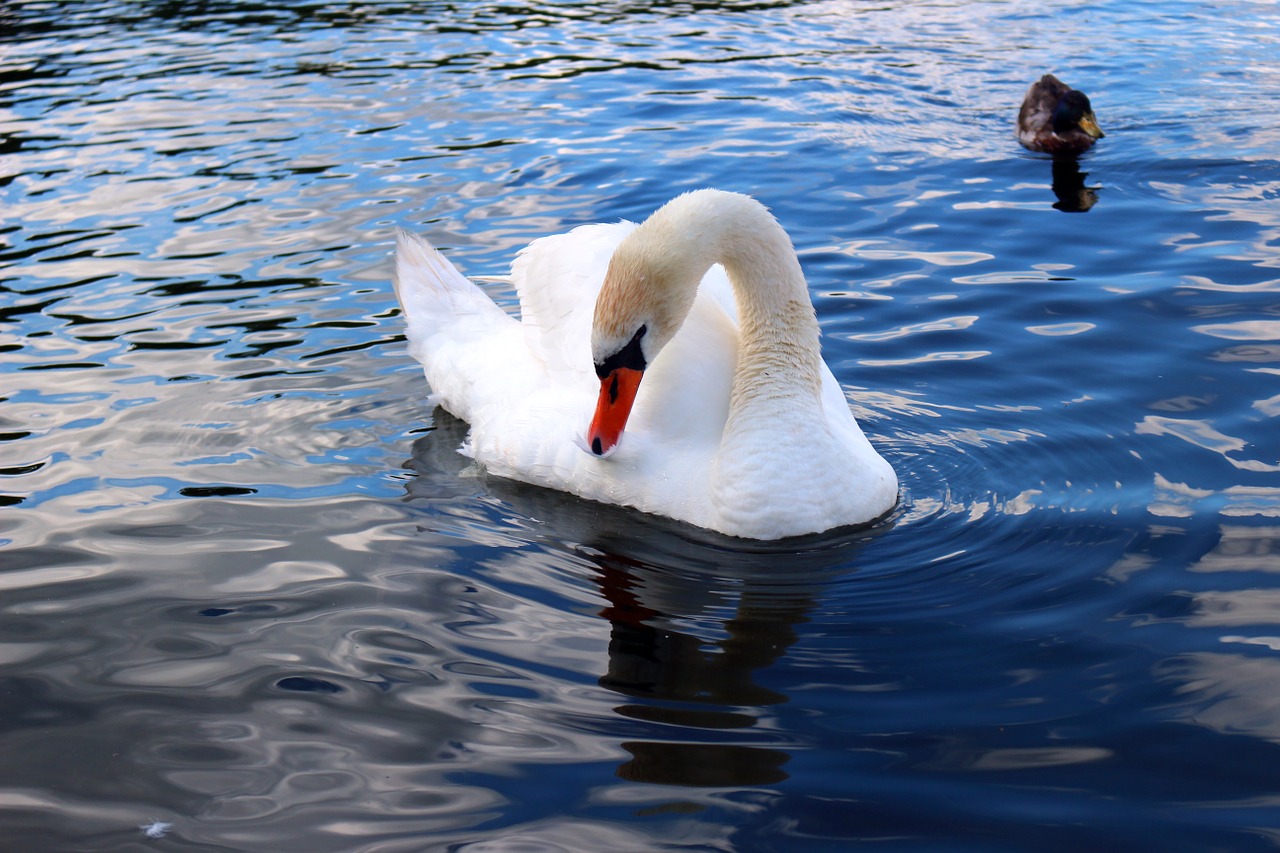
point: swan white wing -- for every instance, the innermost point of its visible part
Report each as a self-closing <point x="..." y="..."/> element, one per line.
<point x="463" y="340"/>
<point x="683" y="401"/>
<point x="558" y="278"/>
<point x="525" y="408"/>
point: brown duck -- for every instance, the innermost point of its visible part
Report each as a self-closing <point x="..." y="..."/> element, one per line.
<point x="1057" y="119"/>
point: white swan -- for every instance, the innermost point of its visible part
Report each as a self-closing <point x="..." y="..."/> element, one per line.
<point x="739" y="426"/>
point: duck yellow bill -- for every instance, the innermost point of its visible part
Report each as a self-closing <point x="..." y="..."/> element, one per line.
<point x="1089" y="125"/>
<point x="617" y="395"/>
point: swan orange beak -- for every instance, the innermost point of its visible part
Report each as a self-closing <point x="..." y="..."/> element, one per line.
<point x="617" y="394"/>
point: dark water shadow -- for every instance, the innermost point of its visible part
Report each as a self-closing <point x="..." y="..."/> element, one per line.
<point x="697" y="619"/>
<point x="1069" y="187"/>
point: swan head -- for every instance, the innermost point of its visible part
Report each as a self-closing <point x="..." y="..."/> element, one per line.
<point x="620" y="374"/>
<point x="647" y="293"/>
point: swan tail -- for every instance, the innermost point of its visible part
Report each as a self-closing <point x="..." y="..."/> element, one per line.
<point x="428" y="286"/>
<point x="450" y="321"/>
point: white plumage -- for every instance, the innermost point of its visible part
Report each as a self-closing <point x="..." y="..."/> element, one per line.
<point x="762" y="446"/>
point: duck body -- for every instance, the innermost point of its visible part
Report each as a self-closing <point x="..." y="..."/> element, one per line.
<point x="738" y="426"/>
<point x="1056" y="119"/>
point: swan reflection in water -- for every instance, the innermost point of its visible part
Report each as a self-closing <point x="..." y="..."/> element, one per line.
<point x="696" y="619"/>
<point x="692" y="682"/>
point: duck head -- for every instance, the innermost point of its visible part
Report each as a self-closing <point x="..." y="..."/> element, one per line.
<point x="1075" y="111"/>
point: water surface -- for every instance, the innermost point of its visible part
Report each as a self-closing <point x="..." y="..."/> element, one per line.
<point x="251" y="591"/>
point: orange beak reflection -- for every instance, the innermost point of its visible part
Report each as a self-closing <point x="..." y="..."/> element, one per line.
<point x="617" y="395"/>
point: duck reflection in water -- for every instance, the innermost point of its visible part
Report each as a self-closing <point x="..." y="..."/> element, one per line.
<point x="1069" y="187"/>
<point x="696" y="619"/>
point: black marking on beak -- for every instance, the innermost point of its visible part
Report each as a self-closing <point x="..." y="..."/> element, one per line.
<point x="596" y="447"/>
<point x="630" y="356"/>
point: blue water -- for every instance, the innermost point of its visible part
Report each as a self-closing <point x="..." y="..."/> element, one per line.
<point x="249" y="590"/>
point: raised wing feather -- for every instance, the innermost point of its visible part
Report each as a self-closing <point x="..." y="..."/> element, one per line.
<point x="461" y="337"/>
<point x="558" y="279"/>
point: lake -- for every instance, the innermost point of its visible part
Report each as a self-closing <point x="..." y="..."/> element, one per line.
<point x="252" y="599"/>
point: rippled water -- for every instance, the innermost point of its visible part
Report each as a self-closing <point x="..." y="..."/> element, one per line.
<point x="250" y="591"/>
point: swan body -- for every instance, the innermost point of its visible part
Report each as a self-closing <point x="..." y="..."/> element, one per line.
<point x="738" y="425"/>
<point x="1057" y="119"/>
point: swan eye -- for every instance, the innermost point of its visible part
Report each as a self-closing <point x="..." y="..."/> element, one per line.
<point x="630" y="356"/>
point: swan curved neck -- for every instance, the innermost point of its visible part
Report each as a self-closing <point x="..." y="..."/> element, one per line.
<point x="779" y="352"/>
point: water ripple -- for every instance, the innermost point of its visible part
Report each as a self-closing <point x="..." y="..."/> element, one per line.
<point x="252" y="593"/>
